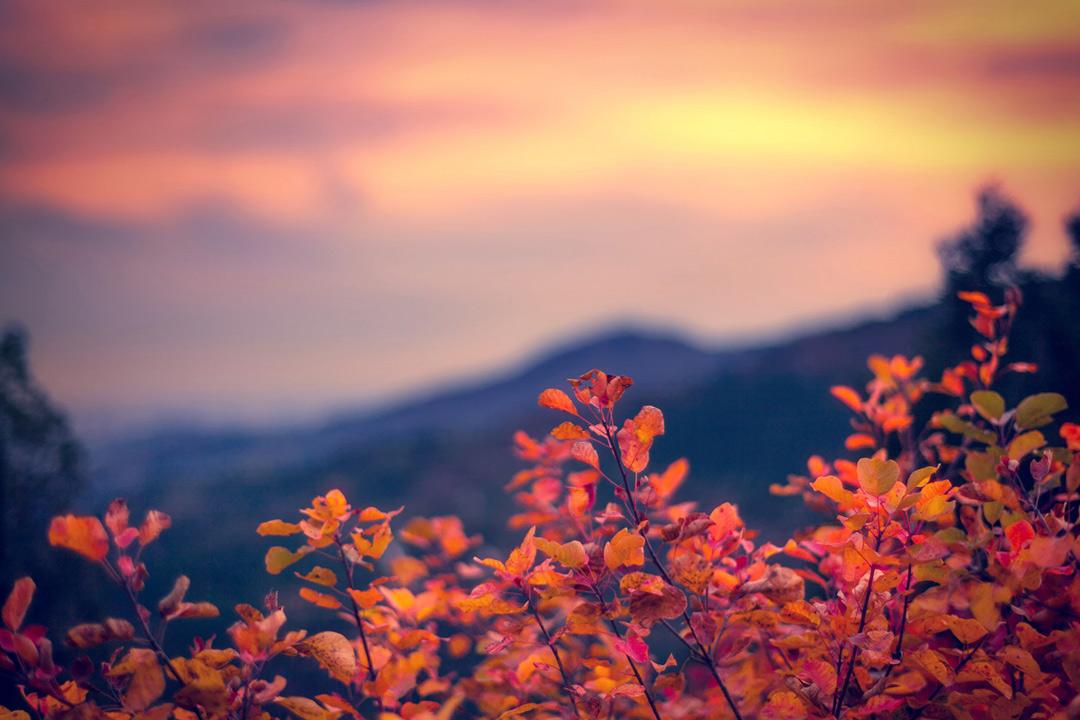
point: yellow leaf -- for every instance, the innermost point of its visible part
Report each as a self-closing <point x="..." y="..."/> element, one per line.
<point x="569" y="431"/>
<point x="145" y="680"/>
<point x="625" y="548"/>
<point x="279" y="558"/>
<point x="783" y="705"/>
<point x="306" y="709"/>
<point x="1021" y="445"/>
<point x="333" y="652"/>
<point x="571" y="554"/>
<point x="931" y="662"/>
<point x="278" y="527"/>
<point x="320" y="576"/>
<point x="988" y="404"/>
<point x="877" y="476"/>
<point x="831" y="487"/>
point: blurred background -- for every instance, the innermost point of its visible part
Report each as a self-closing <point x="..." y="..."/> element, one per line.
<point x="250" y="251"/>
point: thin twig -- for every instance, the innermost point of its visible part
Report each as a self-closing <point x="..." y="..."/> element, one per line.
<point x="555" y="653"/>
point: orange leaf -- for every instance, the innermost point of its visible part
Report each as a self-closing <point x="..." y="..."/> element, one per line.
<point x="320" y="599"/>
<point x="522" y="557"/>
<point x="557" y="400"/>
<point x="625" y="548"/>
<point x="649" y="423"/>
<point x="665" y="484"/>
<point x="831" y="487"/>
<point x="783" y="705"/>
<point x="366" y="598"/>
<point x="1018" y="534"/>
<point x="569" y="431"/>
<point x="847" y="396"/>
<point x="85" y="535"/>
<point x="583" y="451"/>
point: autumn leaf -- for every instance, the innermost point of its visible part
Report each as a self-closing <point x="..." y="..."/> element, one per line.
<point x="321" y="599"/>
<point x="1018" y="534"/>
<point x="306" y="708"/>
<point x="988" y="403"/>
<point x="17" y="603"/>
<point x="626" y="548"/>
<point x="1023" y="444"/>
<point x="1036" y="410"/>
<point x="170" y="602"/>
<point x="783" y="705"/>
<point x="780" y="584"/>
<point x="666" y="483"/>
<point x="486" y="600"/>
<point x="333" y="652"/>
<point x="647" y="608"/>
<point x="279" y="558"/>
<point x="877" y="476"/>
<point x="583" y="451"/>
<point x="571" y="554"/>
<point x="557" y="400"/>
<point x="633" y="647"/>
<point x="143" y="679"/>
<point x="85" y="535"/>
<point x="89" y="635"/>
<point x="153" y="525"/>
<point x="831" y="487"/>
<point x="847" y="396"/>
<point x="278" y="527"/>
<point x="569" y="431"/>
<point x="320" y="576"/>
<point x="366" y="599"/>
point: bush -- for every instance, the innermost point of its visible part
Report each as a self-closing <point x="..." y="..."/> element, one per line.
<point x="943" y="583"/>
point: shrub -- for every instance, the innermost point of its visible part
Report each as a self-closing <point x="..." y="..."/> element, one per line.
<point x="943" y="582"/>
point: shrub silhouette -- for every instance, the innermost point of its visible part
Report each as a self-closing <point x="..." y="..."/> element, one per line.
<point x="943" y="582"/>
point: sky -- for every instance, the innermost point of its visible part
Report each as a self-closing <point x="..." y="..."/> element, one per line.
<point x="261" y="211"/>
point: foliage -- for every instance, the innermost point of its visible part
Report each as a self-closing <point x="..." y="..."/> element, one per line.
<point x="943" y="582"/>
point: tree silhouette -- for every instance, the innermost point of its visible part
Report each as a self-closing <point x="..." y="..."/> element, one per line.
<point x="41" y="473"/>
<point x="984" y="255"/>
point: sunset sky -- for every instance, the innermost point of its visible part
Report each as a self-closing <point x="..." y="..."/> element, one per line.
<point x="261" y="211"/>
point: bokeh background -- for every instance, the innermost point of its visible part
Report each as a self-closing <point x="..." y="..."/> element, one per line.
<point x="253" y="250"/>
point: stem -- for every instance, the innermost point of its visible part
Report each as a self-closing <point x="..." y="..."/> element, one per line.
<point x="632" y="506"/>
<point x="838" y="702"/>
<point x="618" y="633"/>
<point x="355" y="608"/>
<point x="555" y="653"/>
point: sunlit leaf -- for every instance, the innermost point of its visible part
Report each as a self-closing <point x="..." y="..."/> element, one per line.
<point x="85" y="535"/>
<point x="877" y="476"/>
<point x="626" y="548"/>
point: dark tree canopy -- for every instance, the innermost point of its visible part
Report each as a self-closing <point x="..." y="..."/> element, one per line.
<point x="984" y="254"/>
<point x="41" y="473"/>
